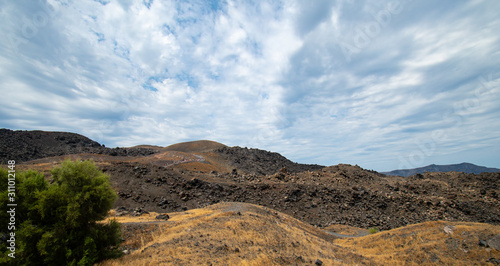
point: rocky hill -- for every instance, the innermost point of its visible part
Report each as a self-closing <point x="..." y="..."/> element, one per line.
<point x="195" y="146"/>
<point x="261" y="162"/>
<point x="22" y="146"/>
<point x="462" y="167"/>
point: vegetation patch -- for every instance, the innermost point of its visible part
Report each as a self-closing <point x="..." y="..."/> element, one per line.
<point x="58" y="220"/>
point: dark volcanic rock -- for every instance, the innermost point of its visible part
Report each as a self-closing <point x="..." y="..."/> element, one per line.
<point x="162" y="217"/>
<point x="262" y="162"/>
<point x="341" y="194"/>
<point x="23" y="146"/>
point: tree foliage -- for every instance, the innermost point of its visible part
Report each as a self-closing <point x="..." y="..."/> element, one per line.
<point x="57" y="223"/>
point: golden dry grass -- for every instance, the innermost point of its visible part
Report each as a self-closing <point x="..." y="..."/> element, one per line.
<point x="346" y="230"/>
<point x="428" y="244"/>
<point x="246" y="234"/>
<point x="235" y="234"/>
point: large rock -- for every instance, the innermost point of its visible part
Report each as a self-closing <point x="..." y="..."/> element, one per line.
<point x="494" y="242"/>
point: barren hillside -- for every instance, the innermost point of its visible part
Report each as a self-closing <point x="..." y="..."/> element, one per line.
<point x="246" y="234"/>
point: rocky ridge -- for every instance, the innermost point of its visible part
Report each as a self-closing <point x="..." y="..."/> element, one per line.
<point x="261" y="162"/>
<point x="341" y="194"/>
<point x="23" y="146"/>
<point x="462" y="167"/>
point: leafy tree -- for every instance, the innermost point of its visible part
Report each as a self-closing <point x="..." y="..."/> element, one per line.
<point x="57" y="223"/>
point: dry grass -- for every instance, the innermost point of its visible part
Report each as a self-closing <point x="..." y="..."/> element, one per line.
<point x="427" y="243"/>
<point x="246" y="234"/>
<point x="201" y="166"/>
<point x="346" y="230"/>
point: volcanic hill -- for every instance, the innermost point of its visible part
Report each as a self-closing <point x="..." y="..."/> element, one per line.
<point x="189" y="180"/>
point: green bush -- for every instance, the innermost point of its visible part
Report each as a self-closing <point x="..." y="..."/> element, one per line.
<point x="56" y="224"/>
<point x="373" y="230"/>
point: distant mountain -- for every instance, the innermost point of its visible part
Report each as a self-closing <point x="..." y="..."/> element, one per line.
<point x="462" y="167"/>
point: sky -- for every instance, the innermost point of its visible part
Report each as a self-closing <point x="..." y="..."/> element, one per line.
<point x="382" y="84"/>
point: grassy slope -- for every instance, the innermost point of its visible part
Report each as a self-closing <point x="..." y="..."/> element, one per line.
<point x="246" y="234"/>
<point x="428" y="244"/>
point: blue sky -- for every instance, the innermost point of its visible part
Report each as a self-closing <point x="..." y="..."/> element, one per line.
<point x="382" y="84"/>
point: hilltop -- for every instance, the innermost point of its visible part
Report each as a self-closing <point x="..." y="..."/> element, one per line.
<point x="195" y="146"/>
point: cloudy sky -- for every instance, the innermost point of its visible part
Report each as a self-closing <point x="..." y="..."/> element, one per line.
<point x="382" y="84"/>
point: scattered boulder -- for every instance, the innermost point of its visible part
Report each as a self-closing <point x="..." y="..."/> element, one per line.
<point x="121" y="211"/>
<point x="494" y="261"/>
<point x="300" y="259"/>
<point x="139" y="211"/>
<point x="494" y="242"/>
<point x="162" y="216"/>
<point x="162" y="203"/>
<point x="448" y="229"/>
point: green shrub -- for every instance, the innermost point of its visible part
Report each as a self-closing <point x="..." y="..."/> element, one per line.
<point x="373" y="230"/>
<point x="56" y="224"/>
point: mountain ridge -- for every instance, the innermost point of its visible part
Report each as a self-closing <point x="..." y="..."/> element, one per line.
<point x="468" y="168"/>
